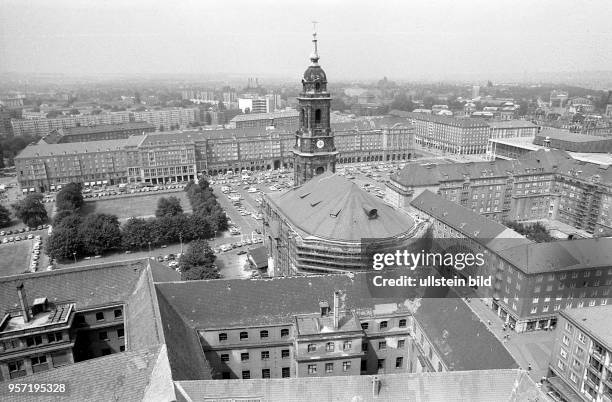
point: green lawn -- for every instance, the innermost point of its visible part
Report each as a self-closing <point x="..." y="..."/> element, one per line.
<point x="15" y="257"/>
<point x="126" y="207"/>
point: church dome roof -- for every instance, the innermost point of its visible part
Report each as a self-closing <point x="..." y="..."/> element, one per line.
<point x="315" y="73"/>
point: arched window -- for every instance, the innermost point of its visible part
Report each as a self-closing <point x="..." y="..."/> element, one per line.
<point x="320" y="170"/>
<point x="317" y="86"/>
<point x="318" y="116"/>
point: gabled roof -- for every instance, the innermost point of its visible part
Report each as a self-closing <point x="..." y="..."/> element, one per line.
<point x="333" y="207"/>
<point x="45" y="149"/>
<point x="561" y="255"/>
<point x="126" y="376"/>
<point x="87" y="287"/>
<point x="593" y="320"/>
<point x="230" y="304"/>
<point x="265" y="116"/>
<point x="101" y="128"/>
<point x="473" y="386"/>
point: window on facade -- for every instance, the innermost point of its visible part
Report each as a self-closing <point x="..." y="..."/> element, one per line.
<point x="103" y="336"/>
<point x="399" y="361"/>
<point x="402" y="323"/>
<point x="329" y="367"/>
<point x="99" y="316"/>
<point x="382" y="325"/>
<point x="265" y="355"/>
<point x="364" y="346"/>
<point x="54" y="337"/>
<point x="312" y="347"/>
<point x="225" y="357"/>
<point x="285" y="353"/>
<point x="244" y="357"/>
<point x="382" y="345"/>
<point x="38" y="360"/>
<point x="120" y="333"/>
<point x="364" y="325"/>
<point x="347" y="345"/>
<point x="222" y="337"/>
<point x="244" y="335"/>
<point x="286" y="372"/>
<point x="265" y="373"/>
<point x="122" y="348"/>
<point x="329" y="347"/>
<point x="246" y="374"/>
<point x="263" y="334"/>
<point x="401" y="343"/>
<point x="15" y="366"/>
<point x="118" y="313"/>
<point x="284" y="332"/>
<point x="317" y="116"/>
<point x="346" y="366"/>
<point x="381" y="364"/>
<point x="312" y="369"/>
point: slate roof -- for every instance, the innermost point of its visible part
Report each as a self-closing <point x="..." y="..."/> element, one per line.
<point x="512" y="124"/>
<point x="33" y="151"/>
<point x="560" y="255"/>
<point x="259" y="256"/>
<point x="333" y="207"/>
<point x="473" y="225"/>
<point x="467" y="386"/>
<point x="117" y="377"/>
<point x="593" y="320"/>
<point x="90" y="286"/>
<point x="230" y="304"/>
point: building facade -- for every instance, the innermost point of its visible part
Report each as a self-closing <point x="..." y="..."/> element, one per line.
<point x="580" y="368"/>
<point x="98" y="133"/>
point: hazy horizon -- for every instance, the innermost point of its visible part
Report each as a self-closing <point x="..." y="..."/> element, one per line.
<point x="357" y="40"/>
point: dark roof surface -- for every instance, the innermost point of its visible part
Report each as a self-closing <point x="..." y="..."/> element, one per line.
<point x="465" y="386"/>
<point x="45" y="149"/>
<point x="101" y="128"/>
<point x="90" y="286"/>
<point x="333" y="207"/>
<point x="117" y="377"/>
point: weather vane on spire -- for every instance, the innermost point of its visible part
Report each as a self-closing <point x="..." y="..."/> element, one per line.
<point x="315" y="56"/>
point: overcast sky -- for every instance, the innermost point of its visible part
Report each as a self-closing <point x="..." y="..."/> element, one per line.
<point x="357" y="39"/>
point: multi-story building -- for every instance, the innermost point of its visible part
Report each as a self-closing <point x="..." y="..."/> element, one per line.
<point x="41" y="127"/>
<point x="580" y="366"/>
<point x="319" y="326"/>
<point x="54" y="319"/>
<point x="167" y="119"/>
<point x="531" y="282"/>
<point x="283" y="119"/>
<point x="546" y="184"/>
<point x="512" y="129"/>
<point x="450" y="134"/>
<point x="98" y="133"/>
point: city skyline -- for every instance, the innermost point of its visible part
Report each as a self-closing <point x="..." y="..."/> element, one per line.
<point x="439" y="40"/>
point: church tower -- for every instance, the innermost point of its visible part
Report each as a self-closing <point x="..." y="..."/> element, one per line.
<point x="314" y="150"/>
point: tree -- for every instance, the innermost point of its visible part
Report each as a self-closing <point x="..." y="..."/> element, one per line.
<point x="65" y="239"/>
<point x="197" y="262"/>
<point x="31" y="210"/>
<point x="170" y="206"/>
<point x="70" y="198"/>
<point x="60" y="216"/>
<point x="137" y="233"/>
<point x="5" y="216"/>
<point x="100" y="233"/>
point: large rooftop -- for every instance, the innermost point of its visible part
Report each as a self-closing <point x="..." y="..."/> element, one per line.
<point x="449" y="322"/>
<point x="593" y="320"/>
<point x="332" y="207"/>
<point x="460" y="386"/>
<point x="265" y="116"/>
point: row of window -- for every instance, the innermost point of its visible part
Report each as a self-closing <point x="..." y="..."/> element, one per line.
<point x="244" y="335"/>
<point x="103" y="335"/>
<point x="265" y="373"/>
<point x="329" y="367"/>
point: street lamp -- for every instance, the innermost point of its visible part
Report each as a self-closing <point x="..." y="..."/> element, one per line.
<point x="149" y="249"/>
<point x="74" y="255"/>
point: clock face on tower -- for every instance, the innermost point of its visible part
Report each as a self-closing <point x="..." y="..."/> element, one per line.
<point x="320" y="144"/>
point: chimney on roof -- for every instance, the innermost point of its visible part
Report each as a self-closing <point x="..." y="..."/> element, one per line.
<point x="375" y="386"/>
<point x="23" y="302"/>
<point x="336" y="308"/>
<point x="372" y="213"/>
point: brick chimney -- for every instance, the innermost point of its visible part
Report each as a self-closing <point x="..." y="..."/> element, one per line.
<point x="23" y="302"/>
<point x="375" y="386"/>
<point x="336" y="308"/>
